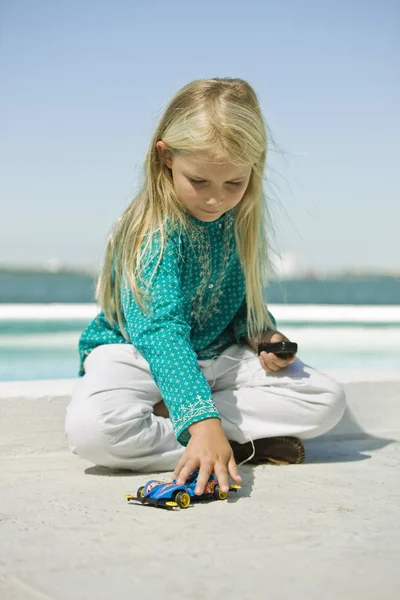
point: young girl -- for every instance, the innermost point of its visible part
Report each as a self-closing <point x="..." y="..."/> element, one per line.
<point x="171" y="378"/>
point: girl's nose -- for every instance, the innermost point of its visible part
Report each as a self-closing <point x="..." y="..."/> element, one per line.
<point x="214" y="202"/>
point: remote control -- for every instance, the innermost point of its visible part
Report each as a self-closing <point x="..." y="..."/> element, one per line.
<point x="281" y="349"/>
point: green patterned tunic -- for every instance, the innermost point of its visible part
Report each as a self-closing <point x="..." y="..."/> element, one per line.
<point x="199" y="309"/>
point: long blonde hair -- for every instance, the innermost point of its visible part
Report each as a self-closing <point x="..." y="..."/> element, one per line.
<point x="222" y="118"/>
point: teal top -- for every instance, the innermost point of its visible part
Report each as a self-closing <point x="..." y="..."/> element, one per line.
<point x="199" y="309"/>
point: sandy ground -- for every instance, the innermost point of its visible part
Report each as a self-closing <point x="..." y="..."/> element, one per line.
<point x="326" y="529"/>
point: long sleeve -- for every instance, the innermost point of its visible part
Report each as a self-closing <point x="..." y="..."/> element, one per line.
<point x="163" y="339"/>
<point x="239" y="323"/>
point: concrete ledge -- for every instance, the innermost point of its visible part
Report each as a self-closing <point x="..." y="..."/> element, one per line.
<point x="33" y="415"/>
<point x="33" y="411"/>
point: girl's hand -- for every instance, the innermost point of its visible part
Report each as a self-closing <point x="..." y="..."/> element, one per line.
<point x="208" y="449"/>
<point x="269" y="361"/>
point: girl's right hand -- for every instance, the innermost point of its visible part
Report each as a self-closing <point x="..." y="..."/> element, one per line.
<point x="208" y="449"/>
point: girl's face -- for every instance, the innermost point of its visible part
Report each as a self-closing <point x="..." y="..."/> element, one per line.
<point x="207" y="189"/>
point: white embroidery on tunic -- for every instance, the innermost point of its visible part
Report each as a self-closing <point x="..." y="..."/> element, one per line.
<point x="192" y="410"/>
<point x="202" y="313"/>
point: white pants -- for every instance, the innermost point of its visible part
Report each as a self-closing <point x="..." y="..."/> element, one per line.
<point x="110" y="419"/>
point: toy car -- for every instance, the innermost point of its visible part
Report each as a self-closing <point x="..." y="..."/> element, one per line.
<point x="171" y="495"/>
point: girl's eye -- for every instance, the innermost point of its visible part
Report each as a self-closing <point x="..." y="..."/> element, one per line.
<point x="200" y="181"/>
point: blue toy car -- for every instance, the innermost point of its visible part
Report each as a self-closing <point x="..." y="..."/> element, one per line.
<point x="171" y="495"/>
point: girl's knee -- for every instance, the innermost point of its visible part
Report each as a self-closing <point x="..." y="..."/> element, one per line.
<point x="83" y="432"/>
<point x="107" y="429"/>
<point x="333" y="405"/>
<point x="337" y="395"/>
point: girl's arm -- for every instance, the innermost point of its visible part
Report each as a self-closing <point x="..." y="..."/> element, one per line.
<point x="163" y="339"/>
<point x="239" y="326"/>
<point x="267" y="334"/>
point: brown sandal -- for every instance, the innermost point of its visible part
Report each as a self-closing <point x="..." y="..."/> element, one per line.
<point x="275" y="450"/>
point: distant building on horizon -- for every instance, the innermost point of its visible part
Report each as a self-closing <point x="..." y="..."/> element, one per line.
<point x="289" y="266"/>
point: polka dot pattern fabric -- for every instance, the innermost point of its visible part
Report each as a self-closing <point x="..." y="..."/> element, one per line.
<point x="198" y="310"/>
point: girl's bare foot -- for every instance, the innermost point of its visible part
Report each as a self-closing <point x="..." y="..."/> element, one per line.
<point x="160" y="410"/>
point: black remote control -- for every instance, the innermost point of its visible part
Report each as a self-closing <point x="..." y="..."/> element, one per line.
<point x="281" y="349"/>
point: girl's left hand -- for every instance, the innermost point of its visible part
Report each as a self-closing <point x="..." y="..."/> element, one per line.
<point x="269" y="361"/>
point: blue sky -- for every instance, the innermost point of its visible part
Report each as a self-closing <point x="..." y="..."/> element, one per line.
<point x="84" y="83"/>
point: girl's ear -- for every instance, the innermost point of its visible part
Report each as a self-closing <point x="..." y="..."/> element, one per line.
<point x="165" y="153"/>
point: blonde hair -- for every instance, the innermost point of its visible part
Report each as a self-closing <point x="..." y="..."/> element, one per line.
<point x="222" y="118"/>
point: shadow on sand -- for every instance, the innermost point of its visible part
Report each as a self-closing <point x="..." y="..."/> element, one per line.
<point x="347" y="442"/>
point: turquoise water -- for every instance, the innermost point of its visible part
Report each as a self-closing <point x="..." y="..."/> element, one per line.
<point x="47" y="349"/>
<point x="31" y="350"/>
<point x="62" y="363"/>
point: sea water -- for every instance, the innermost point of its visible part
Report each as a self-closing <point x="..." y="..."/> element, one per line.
<point x="46" y="347"/>
<point x="346" y="323"/>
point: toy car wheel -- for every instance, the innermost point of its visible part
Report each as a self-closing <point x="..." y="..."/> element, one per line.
<point x="219" y="494"/>
<point x="182" y="499"/>
<point x="140" y="492"/>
